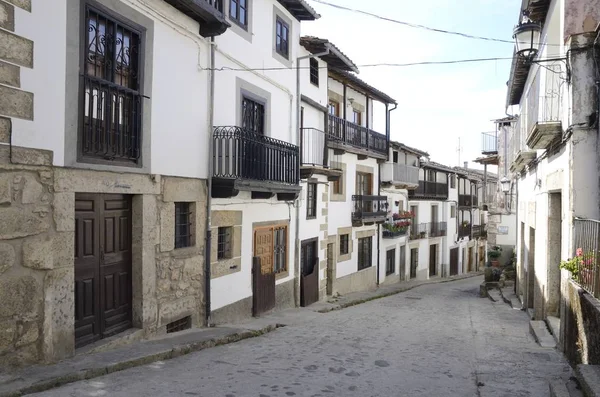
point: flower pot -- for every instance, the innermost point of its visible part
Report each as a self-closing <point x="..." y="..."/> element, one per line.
<point x="495" y="263"/>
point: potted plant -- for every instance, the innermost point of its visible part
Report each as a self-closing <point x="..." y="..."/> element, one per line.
<point x="423" y="234"/>
<point x="493" y="255"/>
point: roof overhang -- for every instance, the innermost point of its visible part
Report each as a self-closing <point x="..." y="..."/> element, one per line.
<point x="300" y="9"/>
<point x="335" y="58"/>
<point x="357" y="84"/>
<point x="401" y="146"/>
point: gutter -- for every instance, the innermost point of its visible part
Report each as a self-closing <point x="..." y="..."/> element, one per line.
<point x="297" y="204"/>
<point x="207" y="243"/>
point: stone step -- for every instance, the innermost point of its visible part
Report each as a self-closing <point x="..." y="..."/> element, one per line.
<point x="558" y="388"/>
<point x="541" y="334"/>
<point x="554" y="327"/>
<point x="589" y="379"/>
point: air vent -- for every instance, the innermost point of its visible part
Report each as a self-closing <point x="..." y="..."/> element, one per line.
<point x="179" y="325"/>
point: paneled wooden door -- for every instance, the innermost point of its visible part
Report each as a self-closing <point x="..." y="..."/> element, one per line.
<point x="102" y="266"/>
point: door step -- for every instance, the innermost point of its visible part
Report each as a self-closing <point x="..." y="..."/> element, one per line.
<point x="589" y="379"/>
<point x="558" y="388"/>
<point x="541" y="334"/>
<point x="554" y="327"/>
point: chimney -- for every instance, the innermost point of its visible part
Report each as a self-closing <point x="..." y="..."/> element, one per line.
<point x="466" y="164"/>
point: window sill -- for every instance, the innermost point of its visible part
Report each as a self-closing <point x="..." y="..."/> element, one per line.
<point x="282" y="275"/>
<point x="308" y="218"/>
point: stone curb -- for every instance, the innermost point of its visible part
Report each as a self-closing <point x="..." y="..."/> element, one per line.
<point x="395" y="292"/>
<point x="174" y="352"/>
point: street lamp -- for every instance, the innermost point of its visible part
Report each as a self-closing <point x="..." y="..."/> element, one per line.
<point x="505" y="184"/>
<point x="527" y="37"/>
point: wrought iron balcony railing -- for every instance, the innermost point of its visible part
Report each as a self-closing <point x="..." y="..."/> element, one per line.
<point x="369" y="208"/>
<point x="438" y="229"/>
<point x="419" y="231"/>
<point x="399" y="174"/>
<point x="586" y="257"/>
<point x="242" y="154"/>
<point x="479" y="231"/>
<point x="344" y="131"/>
<point x="427" y="189"/>
<point x="489" y="143"/>
<point x="464" y="230"/>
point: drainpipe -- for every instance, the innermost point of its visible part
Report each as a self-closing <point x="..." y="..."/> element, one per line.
<point x="517" y="233"/>
<point x="387" y="124"/>
<point x="297" y="204"/>
<point x="378" y="225"/>
<point x="207" y="243"/>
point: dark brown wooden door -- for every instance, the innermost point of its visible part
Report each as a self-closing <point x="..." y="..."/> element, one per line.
<point x="454" y="261"/>
<point x="309" y="281"/>
<point x="263" y="272"/>
<point x="102" y="266"/>
<point x="432" y="260"/>
<point x="470" y="266"/>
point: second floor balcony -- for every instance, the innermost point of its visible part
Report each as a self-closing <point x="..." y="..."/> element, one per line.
<point x="430" y="190"/>
<point x="479" y="231"/>
<point x="208" y="13"/>
<point x="464" y="230"/>
<point x="316" y="157"/>
<point x="400" y="175"/>
<point x="467" y="200"/>
<point x="438" y="229"/>
<point x="543" y="108"/>
<point x="489" y="143"/>
<point x="243" y="160"/>
<point x="344" y="134"/>
<point x="369" y="209"/>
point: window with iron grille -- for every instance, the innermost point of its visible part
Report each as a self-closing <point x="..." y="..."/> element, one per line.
<point x="390" y="262"/>
<point x="224" y="243"/>
<point x="365" y="253"/>
<point x="282" y="31"/>
<point x="111" y="102"/>
<point x="344" y="244"/>
<point x="183" y="225"/>
<point x="253" y="116"/>
<point x="238" y="12"/>
<point x="311" y="200"/>
<point x="280" y="249"/>
<point x="314" y="71"/>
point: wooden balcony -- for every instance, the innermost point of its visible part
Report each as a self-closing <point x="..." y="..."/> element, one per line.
<point x="429" y="190"/>
<point x="369" y="209"/>
<point x="345" y="135"/>
<point x="400" y="175"/>
<point x="208" y="13"/>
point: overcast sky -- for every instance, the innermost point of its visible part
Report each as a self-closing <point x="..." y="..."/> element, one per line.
<point x="437" y="104"/>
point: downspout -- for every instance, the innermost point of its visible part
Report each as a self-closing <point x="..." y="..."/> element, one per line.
<point x="207" y="243"/>
<point x="297" y="204"/>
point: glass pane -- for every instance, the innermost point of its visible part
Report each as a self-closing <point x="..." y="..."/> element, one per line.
<point x="242" y="16"/>
<point x="233" y="9"/>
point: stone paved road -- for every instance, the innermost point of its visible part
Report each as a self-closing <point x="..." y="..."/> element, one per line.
<point x="435" y="340"/>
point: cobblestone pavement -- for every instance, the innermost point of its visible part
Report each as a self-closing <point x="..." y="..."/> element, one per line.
<point x="435" y="340"/>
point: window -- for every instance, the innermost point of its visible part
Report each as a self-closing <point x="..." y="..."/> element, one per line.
<point x="311" y="200"/>
<point x="395" y="157"/>
<point x="365" y="254"/>
<point x="280" y="249"/>
<point x="314" y="71"/>
<point x="334" y="108"/>
<point x="337" y="187"/>
<point x="453" y="181"/>
<point x="344" y="244"/>
<point x="364" y="185"/>
<point x="238" y="12"/>
<point x="453" y="212"/>
<point x="111" y="104"/>
<point x="282" y="45"/>
<point x="253" y="116"/>
<point x="356" y="117"/>
<point x="183" y="225"/>
<point x="224" y="243"/>
<point x="390" y="262"/>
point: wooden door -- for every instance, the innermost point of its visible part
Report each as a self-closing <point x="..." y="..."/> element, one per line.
<point x="263" y="249"/>
<point x="453" y="261"/>
<point x="470" y="266"/>
<point x="309" y="281"/>
<point x="402" y="263"/>
<point x="414" y="262"/>
<point x="432" y="260"/>
<point x="102" y="266"/>
<point x="330" y="268"/>
<point x="263" y="271"/>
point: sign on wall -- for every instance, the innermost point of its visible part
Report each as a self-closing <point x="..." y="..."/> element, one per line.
<point x="502" y="229"/>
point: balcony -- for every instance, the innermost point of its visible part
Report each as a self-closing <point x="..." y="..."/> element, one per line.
<point x="585" y="265"/>
<point x="438" y="229"/>
<point x="522" y="159"/>
<point x="400" y="175"/>
<point x="208" y="13"/>
<point x="464" y="230"/>
<point x="315" y="155"/>
<point x="398" y="226"/>
<point x="465" y="200"/>
<point x="544" y="106"/>
<point x="419" y="231"/>
<point x="245" y="161"/>
<point x="369" y="209"/>
<point x="479" y="231"/>
<point x="430" y="190"/>
<point x="345" y="135"/>
<point x="489" y="143"/>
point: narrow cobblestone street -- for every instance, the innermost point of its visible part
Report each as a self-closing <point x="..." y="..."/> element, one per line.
<point x="435" y="340"/>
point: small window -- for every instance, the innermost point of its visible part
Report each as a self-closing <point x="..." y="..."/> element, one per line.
<point x="357" y="117"/>
<point x="280" y="249"/>
<point x="314" y="71"/>
<point x="282" y="44"/>
<point x="453" y="181"/>
<point x="344" y="243"/>
<point x="390" y="262"/>
<point x="238" y="12"/>
<point x="183" y="225"/>
<point x="334" y="108"/>
<point x="311" y="200"/>
<point x="337" y="186"/>
<point x="452" y="212"/>
<point x="365" y="252"/>
<point x="224" y="243"/>
<point x="395" y="156"/>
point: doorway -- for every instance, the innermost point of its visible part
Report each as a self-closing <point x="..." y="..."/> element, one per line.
<point x="330" y="267"/>
<point x="309" y="281"/>
<point x="470" y="260"/>
<point x="414" y="262"/>
<point x="554" y="254"/>
<point x="454" y="261"/>
<point x="432" y="260"/>
<point x="531" y="270"/>
<point x="402" y="263"/>
<point x="103" y="281"/>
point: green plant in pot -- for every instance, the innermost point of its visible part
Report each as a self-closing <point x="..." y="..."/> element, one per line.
<point x="493" y="255"/>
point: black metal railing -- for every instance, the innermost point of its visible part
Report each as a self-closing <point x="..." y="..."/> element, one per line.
<point x="430" y="190"/>
<point x="419" y="231"/>
<point x="438" y="229"/>
<point x="111" y="122"/>
<point x="586" y="257"/>
<point x="387" y="234"/>
<point x="314" y="147"/>
<point x="489" y="142"/>
<point x="479" y="231"/>
<point x="239" y="153"/>
<point x="344" y="131"/>
<point x="369" y="207"/>
<point x="465" y="200"/>
<point x="464" y="230"/>
<point x="218" y="4"/>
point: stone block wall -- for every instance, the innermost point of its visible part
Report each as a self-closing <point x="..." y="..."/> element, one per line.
<point x="580" y="322"/>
